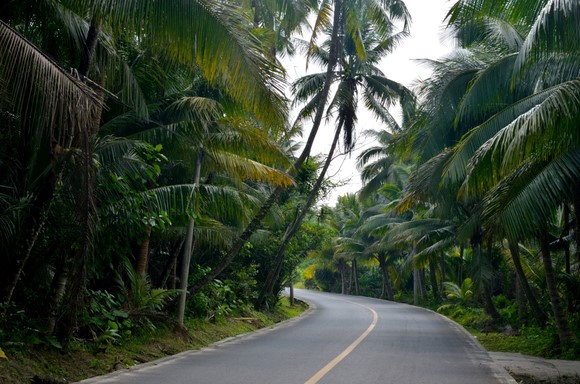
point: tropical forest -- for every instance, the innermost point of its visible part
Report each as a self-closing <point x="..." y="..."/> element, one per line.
<point x="158" y="178"/>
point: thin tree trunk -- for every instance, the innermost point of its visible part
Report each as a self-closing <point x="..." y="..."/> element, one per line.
<point x="523" y="281"/>
<point x="520" y="299"/>
<point x="416" y="288"/>
<point x="423" y="284"/>
<point x="170" y="265"/>
<point x="274" y="273"/>
<point x="487" y="285"/>
<point x="576" y="202"/>
<point x="355" y="274"/>
<point x="58" y="287"/>
<point x="143" y="259"/>
<point x="350" y="279"/>
<point x="265" y="208"/>
<point x="443" y="277"/>
<point x="187" y="251"/>
<point x="564" y="333"/>
<point x="342" y="270"/>
<point x="460" y="265"/>
<point x="85" y="199"/>
<point x="386" y="289"/>
<point x="568" y="269"/>
<point x="434" y="283"/>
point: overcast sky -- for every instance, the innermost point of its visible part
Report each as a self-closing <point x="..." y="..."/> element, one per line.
<point x="426" y="41"/>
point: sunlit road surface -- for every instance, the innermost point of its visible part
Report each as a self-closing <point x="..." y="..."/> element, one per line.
<point x="342" y="339"/>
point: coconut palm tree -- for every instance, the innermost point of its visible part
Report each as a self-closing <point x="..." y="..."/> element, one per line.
<point x="364" y="42"/>
<point x="505" y="117"/>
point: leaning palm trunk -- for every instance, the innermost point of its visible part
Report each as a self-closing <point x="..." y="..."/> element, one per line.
<point x="275" y="195"/>
<point x="274" y="273"/>
<point x="564" y="333"/>
<point x="524" y="284"/>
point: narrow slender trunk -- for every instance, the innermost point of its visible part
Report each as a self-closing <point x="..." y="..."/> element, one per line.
<point x="170" y="265"/>
<point x="523" y="281"/>
<point x="460" y="265"/>
<point x="265" y="208"/>
<point x="58" y="287"/>
<point x="416" y="288"/>
<point x="564" y="333"/>
<point x="292" y="289"/>
<point x="568" y="269"/>
<point x="143" y="258"/>
<point x="443" y="277"/>
<point x="342" y="269"/>
<point x="576" y="202"/>
<point x="433" y="277"/>
<point x="520" y="300"/>
<point x="423" y="283"/>
<point x="355" y="274"/>
<point x="350" y="280"/>
<point x="488" y="285"/>
<point x="386" y="289"/>
<point x="186" y="261"/>
<point x="274" y="273"/>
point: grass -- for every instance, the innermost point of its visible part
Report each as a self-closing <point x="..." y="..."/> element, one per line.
<point x="529" y="340"/>
<point x="81" y="360"/>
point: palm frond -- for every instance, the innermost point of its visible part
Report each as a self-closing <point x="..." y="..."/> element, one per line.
<point x="42" y="91"/>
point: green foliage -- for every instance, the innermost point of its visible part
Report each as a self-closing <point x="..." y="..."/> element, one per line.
<point x="221" y="298"/>
<point x="461" y="294"/>
<point x="16" y="326"/>
<point x="471" y="318"/>
<point x="326" y="279"/>
<point x="104" y="320"/>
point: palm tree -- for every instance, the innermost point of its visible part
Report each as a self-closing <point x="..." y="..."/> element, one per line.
<point x="365" y="40"/>
<point x="211" y="36"/>
<point x="523" y="150"/>
<point x="505" y="117"/>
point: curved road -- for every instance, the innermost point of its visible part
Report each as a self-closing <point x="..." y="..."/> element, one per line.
<point x="342" y="339"/>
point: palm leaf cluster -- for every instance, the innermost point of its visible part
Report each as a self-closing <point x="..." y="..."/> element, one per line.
<point x="121" y="122"/>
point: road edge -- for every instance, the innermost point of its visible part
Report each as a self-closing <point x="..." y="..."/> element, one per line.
<point x="238" y="338"/>
<point x="498" y="370"/>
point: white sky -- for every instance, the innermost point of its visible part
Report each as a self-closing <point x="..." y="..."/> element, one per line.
<point x="426" y="41"/>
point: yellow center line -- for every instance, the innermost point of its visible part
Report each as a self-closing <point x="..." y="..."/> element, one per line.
<point x="328" y="367"/>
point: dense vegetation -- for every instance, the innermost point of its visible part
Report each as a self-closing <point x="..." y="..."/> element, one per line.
<point x="149" y="173"/>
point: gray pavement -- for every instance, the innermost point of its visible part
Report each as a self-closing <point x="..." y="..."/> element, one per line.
<point x="530" y="369"/>
<point x="405" y="345"/>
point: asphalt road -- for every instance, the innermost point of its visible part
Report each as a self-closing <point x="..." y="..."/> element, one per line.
<point x="342" y="339"/>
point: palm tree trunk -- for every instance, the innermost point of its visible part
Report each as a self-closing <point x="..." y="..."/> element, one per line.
<point x="342" y="270"/>
<point x="520" y="300"/>
<point x="355" y="276"/>
<point x="187" y="251"/>
<point x="434" y="283"/>
<point x="564" y="333"/>
<point x="265" y="208"/>
<point x="460" y="265"/>
<point x="523" y="282"/>
<point x="143" y="259"/>
<point x="576" y="202"/>
<point x="170" y="265"/>
<point x="416" y="288"/>
<point x="58" y="287"/>
<point x="487" y="285"/>
<point x="443" y="273"/>
<point x="423" y="284"/>
<point x="274" y="273"/>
